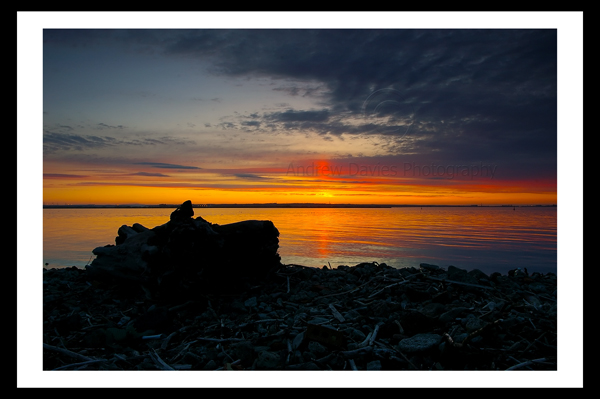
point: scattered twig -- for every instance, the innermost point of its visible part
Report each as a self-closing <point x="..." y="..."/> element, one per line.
<point x="164" y="366"/>
<point x="234" y="363"/>
<point x="388" y="286"/>
<point x="260" y="321"/>
<point x="459" y="283"/>
<point x="352" y="290"/>
<point x="165" y="343"/>
<point x="358" y="351"/>
<point x="220" y="340"/>
<point x="516" y="344"/>
<point x="366" y="341"/>
<point x="93" y="326"/>
<point x="325" y="358"/>
<point x="527" y="363"/>
<point x="469" y="337"/>
<point x="178" y="307"/>
<point x="185" y="348"/>
<point x="182" y="366"/>
<point x="352" y="364"/>
<point x="80" y="364"/>
<point x="290" y="351"/>
<point x="399" y="326"/>
<point x="225" y="353"/>
<point x="68" y="353"/>
<point x="374" y="335"/>
<point x="534" y="342"/>
<point x="156" y="336"/>
<point x="396" y="350"/>
<point x="337" y="314"/>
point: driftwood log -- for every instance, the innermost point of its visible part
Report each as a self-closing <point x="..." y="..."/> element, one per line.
<point x="187" y="256"/>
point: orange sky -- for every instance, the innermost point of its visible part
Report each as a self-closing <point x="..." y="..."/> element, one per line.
<point x="330" y="184"/>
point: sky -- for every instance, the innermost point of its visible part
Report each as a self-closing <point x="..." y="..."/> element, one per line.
<point x="326" y="115"/>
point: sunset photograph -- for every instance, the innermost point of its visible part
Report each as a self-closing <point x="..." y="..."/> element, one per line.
<point x="336" y="192"/>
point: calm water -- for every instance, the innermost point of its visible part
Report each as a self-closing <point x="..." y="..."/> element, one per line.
<point x="489" y="239"/>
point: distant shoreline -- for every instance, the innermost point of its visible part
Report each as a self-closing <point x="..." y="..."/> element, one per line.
<point x="172" y="206"/>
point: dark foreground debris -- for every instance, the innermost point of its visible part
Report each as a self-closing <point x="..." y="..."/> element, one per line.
<point x="365" y="317"/>
<point x="192" y="295"/>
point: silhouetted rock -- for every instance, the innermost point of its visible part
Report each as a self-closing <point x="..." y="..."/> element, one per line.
<point x="187" y="257"/>
<point x="184" y="211"/>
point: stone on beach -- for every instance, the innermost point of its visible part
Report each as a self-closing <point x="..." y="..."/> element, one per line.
<point x="186" y="255"/>
<point x="419" y="342"/>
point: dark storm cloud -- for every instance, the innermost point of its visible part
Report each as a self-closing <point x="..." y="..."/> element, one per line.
<point x="148" y="174"/>
<point x="102" y="126"/>
<point x="249" y="176"/>
<point x="460" y="93"/>
<point x="166" y="165"/>
<point x="496" y="87"/>
<point x="348" y="60"/>
<point x="299" y="116"/>
<point x="251" y="123"/>
<point x="62" y="176"/>
<point x="299" y="91"/>
<point x="61" y="141"/>
<point x="56" y="141"/>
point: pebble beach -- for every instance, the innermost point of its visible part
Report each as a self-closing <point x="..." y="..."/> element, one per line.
<point x="360" y="317"/>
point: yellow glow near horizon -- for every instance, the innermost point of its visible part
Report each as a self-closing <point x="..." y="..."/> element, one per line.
<point x="122" y="194"/>
<point x="314" y="183"/>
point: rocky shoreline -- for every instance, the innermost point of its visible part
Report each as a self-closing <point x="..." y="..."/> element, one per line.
<point x="193" y="295"/>
<point x="363" y="317"/>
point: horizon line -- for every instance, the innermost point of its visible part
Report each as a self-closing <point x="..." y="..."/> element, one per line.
<point x="290" y="204"/>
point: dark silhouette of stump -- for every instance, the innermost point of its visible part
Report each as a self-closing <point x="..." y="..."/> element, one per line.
<point x="186" y="258"/>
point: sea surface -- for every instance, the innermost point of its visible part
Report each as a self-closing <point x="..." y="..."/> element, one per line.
<point x="486" y="238"/>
